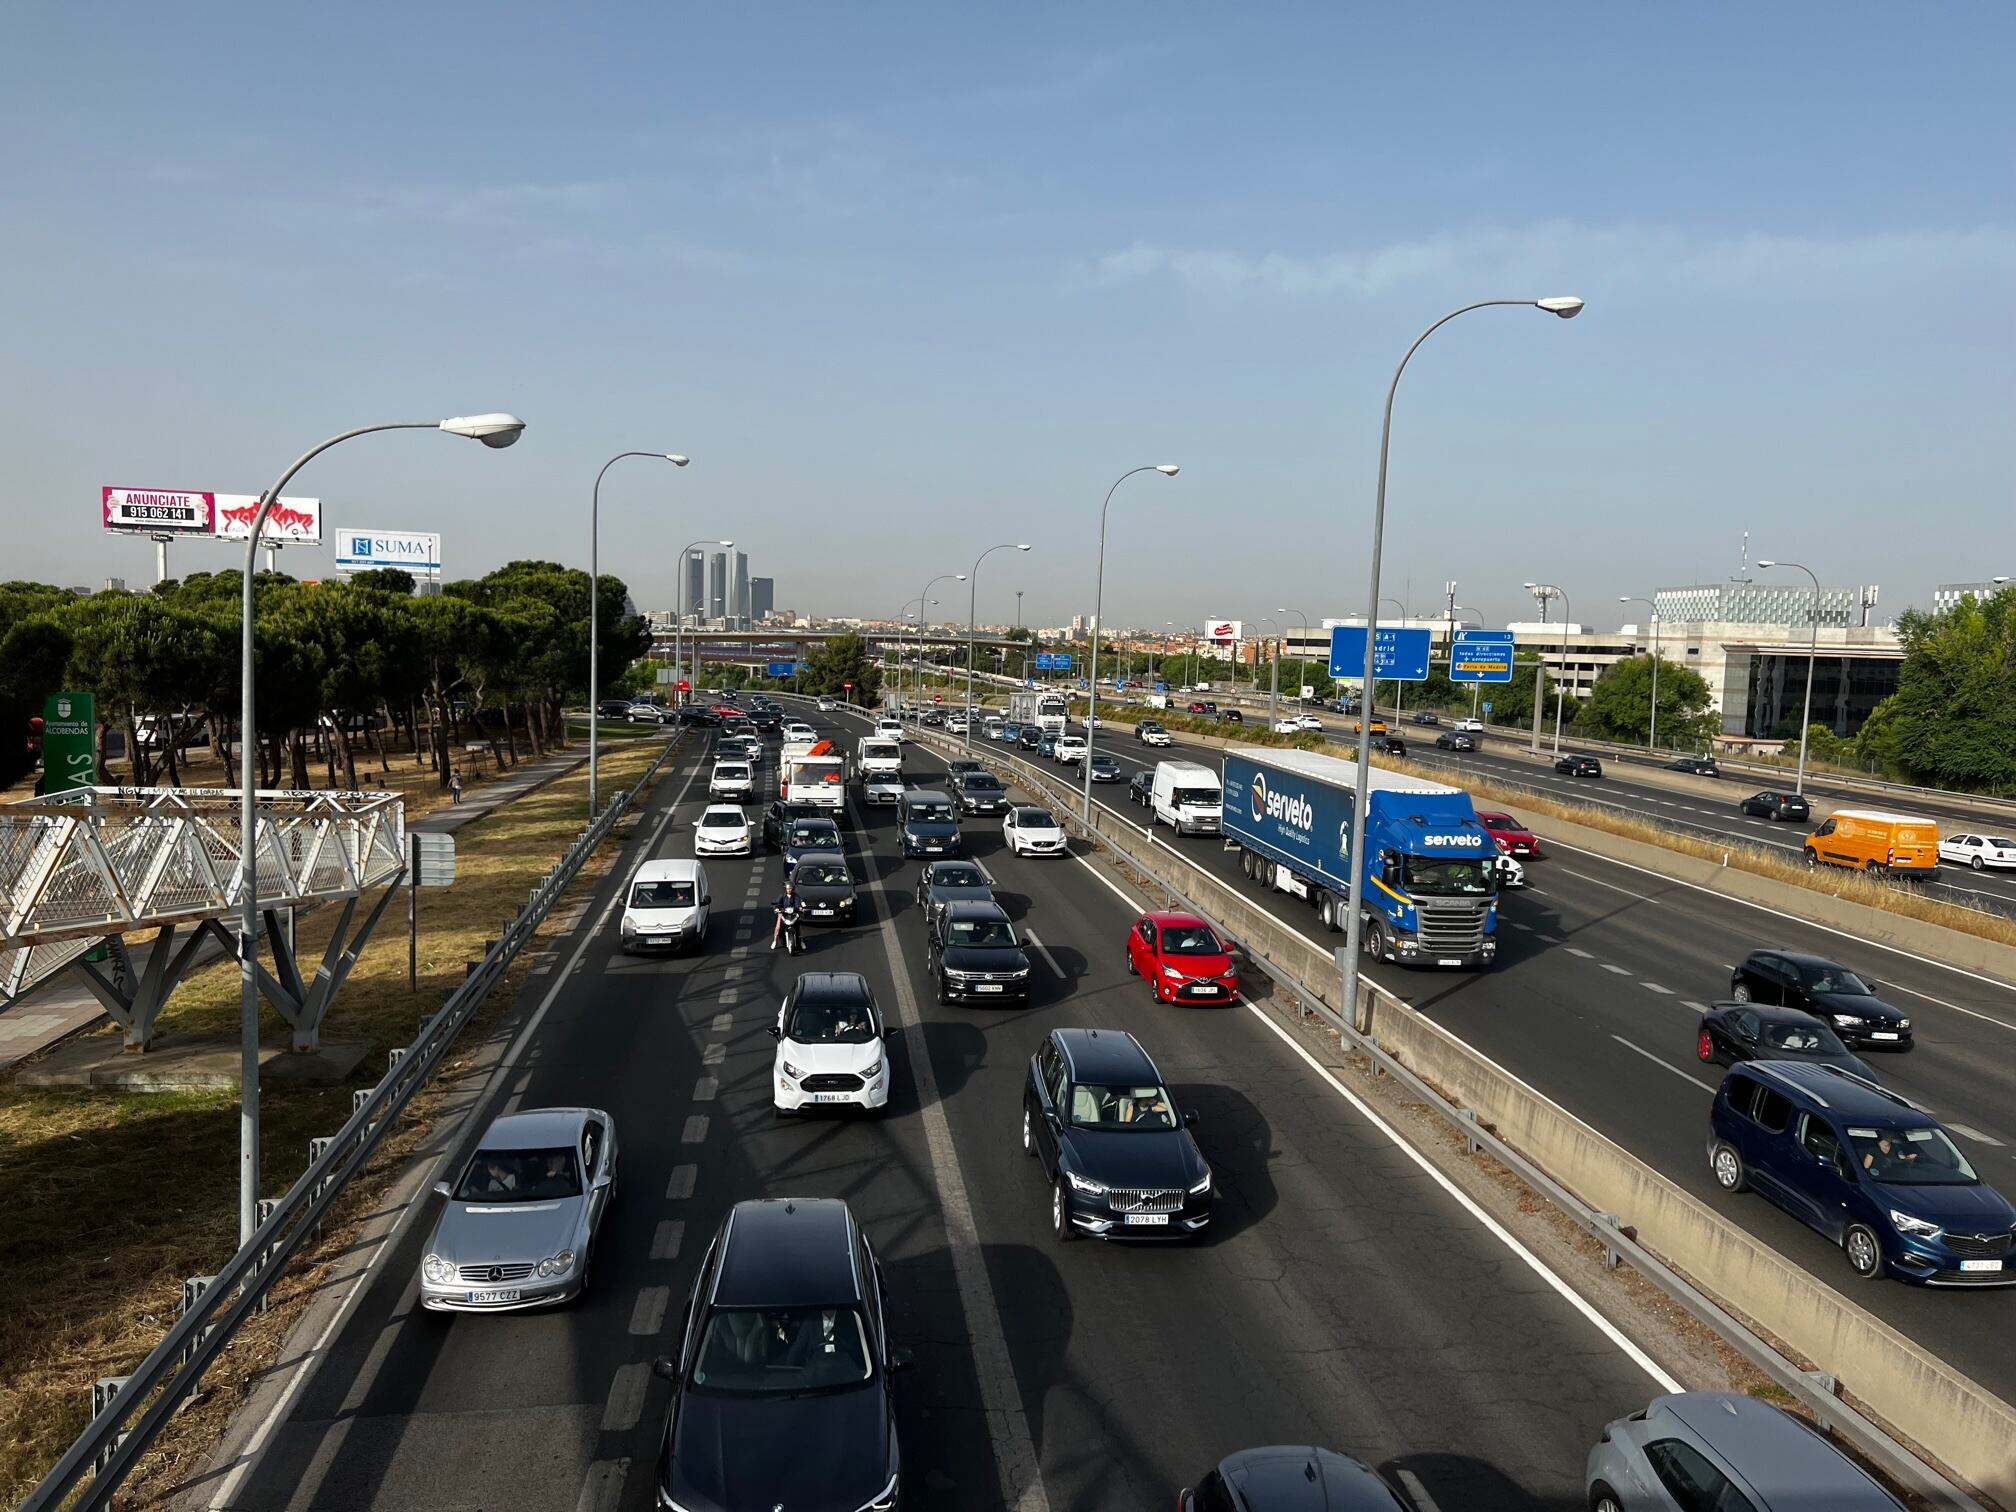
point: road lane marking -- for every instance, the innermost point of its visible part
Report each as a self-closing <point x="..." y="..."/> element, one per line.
<point x="680" y="1185"/>
<point x="1044" y="951"/>
<point x="1697" y="1007"/>
<point x="732" y="973"/>
<point x="1576" y="950"/>
<point x="714" y="1054"/>
<point x="648" y="1316"/>
<point x="1655" y="987"/>
<point x="665" y="1243"/>
<point x="728" y="995"/>
<point x="705" y="1088"/>
<point x="1523" y="928"/>
<point x="695" y="1130"/>
<point x="1664" y="1065"/>
<point x="602" y="1489"/>
<point x="1974" y="1134"/>
<point x="722" y="1023"/>
<point x="1612" y="966"/>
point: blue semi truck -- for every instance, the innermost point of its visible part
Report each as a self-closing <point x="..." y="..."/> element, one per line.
<point x="1431" y="878"/>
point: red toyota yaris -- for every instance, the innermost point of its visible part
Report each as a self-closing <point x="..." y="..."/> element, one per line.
<point x="1183" y="959"/>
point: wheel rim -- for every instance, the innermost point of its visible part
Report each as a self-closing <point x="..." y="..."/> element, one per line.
<point x="1057" y="1208"/>
<point x="1606" y="1504"/>
<point x="1977" y="864"/>
<point x="1741" y="994"/>
<point x="1726" y="1169"/>
<point x="1862" y="1252"/>
<point x="1026" y="1136"/>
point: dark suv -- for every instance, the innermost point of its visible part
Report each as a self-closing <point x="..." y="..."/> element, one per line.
<point x="1868" y="1169"/>
<point x="1117" y="1153"/>
<point x="1813" y="984"/>
<point x="786" y="1342"/>
<point x="929" y="826"/>
<point x="974" y="957"/>
<point x="1772" y="804"/>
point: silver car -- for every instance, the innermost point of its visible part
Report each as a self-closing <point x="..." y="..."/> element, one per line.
<point x="519" y="1228"/>
<point x="1722" y="1449"/>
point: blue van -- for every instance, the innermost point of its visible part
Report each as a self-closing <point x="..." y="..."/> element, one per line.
<point x="1871" y="1170"/>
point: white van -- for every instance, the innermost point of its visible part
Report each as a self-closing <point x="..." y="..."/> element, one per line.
<point x="877" y="756"/>
<point x="665" y="906"/>
<point x="732" y="777"/>
<point x="1187" y="797"/>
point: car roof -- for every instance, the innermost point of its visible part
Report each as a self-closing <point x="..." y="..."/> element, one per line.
<point x="787" y="1252"/>
<point x="672" y="869"/>
<point x="537" y="1128"/>
<point x="928" y="794"/>
<point x="832" y="986"/>
<point x="1034" y="808"/>
<point x="1097" y="1054"/>
<point x="1168" y="918"/>
<point x="812" y="821"/>
<point x="1297" y="1476"/>
<point x="725" y="808"/>
<point x="1487" y="815"/>
<point x="1782" y="1459"/>
<point x="974" y="908"/>
<point x="1880" y="817"/>
<point x="1799" y="957"/>
<point x="1764" y="1011"/>
<point x="1840" y="1092"/>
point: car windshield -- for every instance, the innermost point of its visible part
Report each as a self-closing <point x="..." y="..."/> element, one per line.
<point x="1450" y="876"/>
<point x="815" y="837"/>
<point x="1034" y="819"/>
<point x="1838" y="980"/>
<point x="1911" y="1157"/>
<point x="1138" y="1108"/>
<point x="980" y="782"/>
<point x="721" y="819"/>
<point x="821" y="874"/>
<point x="980" y="932"/>
<point x="932" y="813"/>
<point x="957" y="876"/>
<point x="734" y="771"/>
<point x="1200" y="797"/>
<point x="883" y="751"/>
<point x="1149" y="727"/>
<point x="520" y="1176"/>
<point x="782" y="1351"/>
<point x="1103" y="760"/>
<point x="664" y="894"/>
<point x="831" y="1021"/>
<point x="1809" y="1038"/>
<point x="1189" y="939"/>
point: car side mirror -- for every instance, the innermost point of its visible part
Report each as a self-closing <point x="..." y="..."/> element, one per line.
<point x="775" y="1031"/>
<point x="1190" y="1120"/>
<point x="443" y="1189"/>
<point x="603" y="1182"/>
<point x="665" y="1368"/>
<point x="1050" y="1117"/>
<point x="901" y="1359"/>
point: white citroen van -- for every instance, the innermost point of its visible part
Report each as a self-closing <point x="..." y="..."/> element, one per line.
<point x="665" y="906"/>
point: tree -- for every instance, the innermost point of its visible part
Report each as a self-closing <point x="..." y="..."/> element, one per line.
<point x="641" y="676"/>
<point x="1016" y="660"/>
<point x="839" y="661"/>
<point x="34" y="649"/>
<point x="1952" y="720"/>
<point x="396" y="581"/>
<point x="1619" y="707"/>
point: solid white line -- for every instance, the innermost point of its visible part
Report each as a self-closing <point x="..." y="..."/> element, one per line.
<point x="648" y="1316"/>
<point x="665" y="1243"/>
<point x="602" y="1489"/>
<point x="1044" y="951"/>
<point x="1664" y="1065"/>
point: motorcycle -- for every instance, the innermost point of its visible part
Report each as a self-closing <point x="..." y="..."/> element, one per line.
<point x="788" y="927"/>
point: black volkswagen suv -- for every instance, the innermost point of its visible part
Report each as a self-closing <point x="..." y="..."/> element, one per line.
<point x="1118" y="1154"/>
<point x="781" y="1387"/>
<point x="974" y="957"/>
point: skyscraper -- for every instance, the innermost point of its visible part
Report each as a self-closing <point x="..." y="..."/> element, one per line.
<point x="762" y="597"/>
<point x="717" y="585"/>
<point x="696" y="584"/>
<point x="739" y="606"/>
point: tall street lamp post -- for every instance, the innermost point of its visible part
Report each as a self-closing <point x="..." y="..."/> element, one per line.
<point x="1274" y="684"/>
<point x="1544" y="595"/>
<point x="1168" y="470"/>
<point x="972" y="603"/>
<point x="1302" y="657"/>
<point x="924" y="619"/>
<point x="491" y="430"/>
<point x="1399" y="687"/>
<point x="679" y="616"/>
<point x="1812" y="652"/>
<point x="1561" y="682"/>
<point x="1566" y="308"/>
<point x="1652" y="735"/>
<point x="595" y="617"/>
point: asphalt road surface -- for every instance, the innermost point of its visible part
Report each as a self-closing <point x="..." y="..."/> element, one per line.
<point x="1343" y="1297"/>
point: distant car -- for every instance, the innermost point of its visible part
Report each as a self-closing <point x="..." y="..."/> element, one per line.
<point x="1287" y="727"/>
<point x="1455" y="740"/>
<point x="1576" y="765"/>
<point x="613" y="708"/>
<point x="1732" y="1032"/>
<point x="1308" y="722"/>
<point x="1231" y="716"/>
<point x="1033" y="831"/>
<point x="1513" y="837"/>
<point x="830" y="1047"/>
<point x="1291" y="1478"/>
<point x="973" y="955"/>
<point x="797" y="729"/>
<point x="1825" y="989"/>
<point x="826" y="888"/>
<point x="1726" y="1451"/>
<point x="644" y="713"/>
<point x="721" y="830"/>
<point x="1009" y="732"/>
<point x="959" y="766"/>
<point x="1093" y="722"/>
<point x="1426" y="717"/>
<point x="1150" y="732"/>
<point x="946" y="882"/>
<point x="522" y="1215"/>
<point x="956" y="724"/>
<point x="1104" y="768"/>
<point x="785" y="1346"/>
<point x="779" y="816"/>
<point x="1068" y="750"/>
<point x="1116" y="1150"/>
<point x="811" y="837"/>
<point x="1182" y="958"/>
<point x="1198" y="706"/>
<point x="1389" y="745"/>
<point x="890" y="729"/>
<point x="1470" y="726"/>
<point x="1031" y="737"/>
<point x="935" y="718"/>
<point x="1700" y="766"/>
<point x="695" y="717"/>
<point x="1378" y="727"/>
<point x="929" y="825"/>
<point x="1773" y="804"/>
<point x="1141" y="788"/>
<point x="1979" y="851"/>
<point x="827" y="706"/>
<point x="980" y="793"/>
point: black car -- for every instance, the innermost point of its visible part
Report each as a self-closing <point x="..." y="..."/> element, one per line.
<point x="695" y="717"/>
<point x="1232" y="716"/>
<point x="1426" y="717"/>
<point x="825" y="888"/>
<point x="1291" y="1478"/>
<point x="1389" y="745"/>
<point x="959" y="767"/>
<point x="974" y="957"/>
<point x="613" y="708"/>
<point x="1700" y="766"/>
<point x="932" y="717"/>
<point x="1578" y="766"/>
<point x="1104" y="768"/>
<point x="1829" y="991"/>
<point x="1030" y="738"/>
<point x="1141" y="788"/>
<point x="769" y="721"/>
<point x="947" y="882"/>
<point x="1732" y="1032"/>
<point x="929" y="826"/>
<point x="1772" y="804"/>
<point x="980" y="793"/>
<point x="1455" y="740"/>
<point x="1115" y="1149"/>
<point x="779" y="816"/>
<point x="786" y="1343"/>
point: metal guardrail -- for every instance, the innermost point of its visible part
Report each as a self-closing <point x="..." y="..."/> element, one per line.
<point x="133" y="1409"/>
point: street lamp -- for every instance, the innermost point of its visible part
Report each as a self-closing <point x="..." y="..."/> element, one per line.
<point x="1302" y="656"/>
<point x="903" y="612"/>
<point x="679" y="614"/>
<point x="1567" y="308"/>
<point x="595" y="613"/>
<point x="1652" y="735"/>
<point x="1274" y="685"/>
<point x="972" y="601"/>
<point x="1546" y="591"/>
<point x="1168" y="470"/>
<point x="491" y="430"/>
<point x="1812" y="651"/>
<point x="923" y="618"/>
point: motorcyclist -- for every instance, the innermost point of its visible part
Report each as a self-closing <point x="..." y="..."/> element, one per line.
<point x="787" y="910"/>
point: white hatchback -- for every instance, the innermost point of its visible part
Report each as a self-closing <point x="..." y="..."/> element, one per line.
<point x="721" y="830"/>
<point x="1979" y="851"/>
<point x="830" y="1045"/>
<point x="889" y="729"/>
<point x="1308" y="722"/>
<point x="1033" y="832"/>
<point x="797" y="729"/>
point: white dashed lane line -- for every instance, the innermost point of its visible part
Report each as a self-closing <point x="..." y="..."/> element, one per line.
<point x="1664" y="1065"/>
<point x="695" y="1130"/>
<point x="680" y="1186"/>
<point x="603" y="1487"/>
<point x="648" y="1316"/>
<point x="1577" y="951"/>
<point x="666" y="1241"/>
<point x="1613" y="967"/>
<point x="1655" y="987"/>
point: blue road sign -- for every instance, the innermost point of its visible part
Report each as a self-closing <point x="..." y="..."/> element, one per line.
<point x="1053" y="661"/>
<point x="1482" y="656"/>
<point x="1397" y="655"/>
<point x="1487" y="706"/>
<point x="784" y="669"/>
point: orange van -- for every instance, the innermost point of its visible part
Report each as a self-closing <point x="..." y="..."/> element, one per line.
<point x="1866" y="840"/>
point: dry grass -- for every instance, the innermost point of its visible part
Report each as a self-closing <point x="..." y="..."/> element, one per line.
<point x="112" y="1199"/>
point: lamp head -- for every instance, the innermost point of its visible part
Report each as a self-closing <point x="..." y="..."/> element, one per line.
<point x="1766" y="564"/>
<point x="1024" y="546"/>
<point x="1167" y="469"/>
<point x="498" y="430"/>
<point x="724" y="543"/>
<point x="676" y="460"/>
<point x="1567" y="306"/>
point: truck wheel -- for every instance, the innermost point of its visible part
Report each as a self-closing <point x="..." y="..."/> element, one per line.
<point x="1326" y="910"/>
<point x="1373" y="941"/>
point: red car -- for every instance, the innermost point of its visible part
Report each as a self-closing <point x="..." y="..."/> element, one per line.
<point x="1513" y="837"/>
<point x="1183" y="959"/>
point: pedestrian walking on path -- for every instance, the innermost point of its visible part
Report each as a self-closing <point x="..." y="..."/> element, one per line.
<point x="455" y="784"/>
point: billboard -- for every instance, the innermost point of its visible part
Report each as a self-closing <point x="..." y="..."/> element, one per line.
<point x="289" y="521"/>
<point x="410" y="550"/>
<point x="1224" y="631"/>
<point x="158" y="511"/>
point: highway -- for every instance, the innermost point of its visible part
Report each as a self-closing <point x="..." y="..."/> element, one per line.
<point x="1343" y="1297"/>
<point x="1602" y="973"/>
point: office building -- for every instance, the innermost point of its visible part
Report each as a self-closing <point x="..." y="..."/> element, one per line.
<point x="694" y="602"/>
<point x="738" y="606"/>
<point x="1946" y="595"/>
<point x="717" y="585"/>
<point x="762" y="597"/>
<point x="1787" y="601"/>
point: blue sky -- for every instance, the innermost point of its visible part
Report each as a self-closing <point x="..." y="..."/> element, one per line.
<point x="909" y="280"/>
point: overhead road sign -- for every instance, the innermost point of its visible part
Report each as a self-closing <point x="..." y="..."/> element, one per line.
<point x="1481" y="656"/>
<point x="1053" y="661"/>
<point x="158" y="511"/>
<point x="783" y="669"/>
<point x="1398" y="655"/>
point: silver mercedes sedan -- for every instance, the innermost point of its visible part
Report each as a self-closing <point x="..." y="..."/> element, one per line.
<point x="519" y="1227"/>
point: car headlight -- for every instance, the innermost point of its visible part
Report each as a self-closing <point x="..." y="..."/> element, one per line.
<point x="1847" y="1018"/>
<point x="792" y="1071"/>
<point x="557" y="1265"/>
<point x="1019" y="976"/>
<point x="437" y="1270"/>
<point x="885" y="1499"/>
<point x="1171" y="971"/>
<point x="1202" y="1187"/>
<point x="1904" y="1223"/>
<point x="871" y="1071"/>
<point x="1903" y="1023"/>
<point x="1085" y="1184"/>
<point x="627" y="927"/>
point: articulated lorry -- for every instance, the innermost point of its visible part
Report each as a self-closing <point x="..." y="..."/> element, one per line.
<point x="1430" y="878"/>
